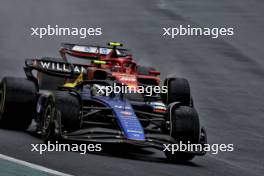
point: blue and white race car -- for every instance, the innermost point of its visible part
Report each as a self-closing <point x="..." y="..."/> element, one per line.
<point x="77" y="112"/>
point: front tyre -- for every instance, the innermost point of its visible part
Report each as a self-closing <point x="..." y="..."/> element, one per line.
<point x="48" y="117"/>
<point x="184" y="127"/>
<point x="69" y="107"/>
<point x="61" y="113"/>
<point x="178" y="91"/>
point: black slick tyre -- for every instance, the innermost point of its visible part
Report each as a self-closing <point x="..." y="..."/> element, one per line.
<point x="69" y="107"/>
<point x="17" y="103"/>
<point x="184" y="128"/>
<point x="178" y="91"/>
<point x="48" y="118"/>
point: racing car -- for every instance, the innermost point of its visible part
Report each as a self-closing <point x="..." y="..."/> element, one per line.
<point x="74" y="111"/>
<point x="112" y="63"/>
<point x="106" y="62"/>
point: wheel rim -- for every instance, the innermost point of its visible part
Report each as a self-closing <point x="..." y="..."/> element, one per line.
<point x="47" y="120"/>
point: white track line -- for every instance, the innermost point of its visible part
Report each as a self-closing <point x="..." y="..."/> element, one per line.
<point x="33" y="166"/>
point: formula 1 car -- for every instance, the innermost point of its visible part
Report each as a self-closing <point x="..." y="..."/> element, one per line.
<point x="75" y="111"/>
<point x="106" y="62"/>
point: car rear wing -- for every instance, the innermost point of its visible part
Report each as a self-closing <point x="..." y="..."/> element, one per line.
<point x="90" y="51"/>
<point x="54" y="68"/>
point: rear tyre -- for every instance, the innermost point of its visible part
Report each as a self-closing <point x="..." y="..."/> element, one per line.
<point x="47" y="82"/>
<point x="178" y="91"/>
<point x="184" y="127"/>
<point x="17" y="103"/>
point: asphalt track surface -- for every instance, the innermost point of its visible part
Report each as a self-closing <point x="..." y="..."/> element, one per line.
<point x="226" y="75"/>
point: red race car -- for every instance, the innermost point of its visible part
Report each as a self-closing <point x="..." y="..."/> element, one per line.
<point x="118" y="63"/>
<point x="112" y="62"/>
